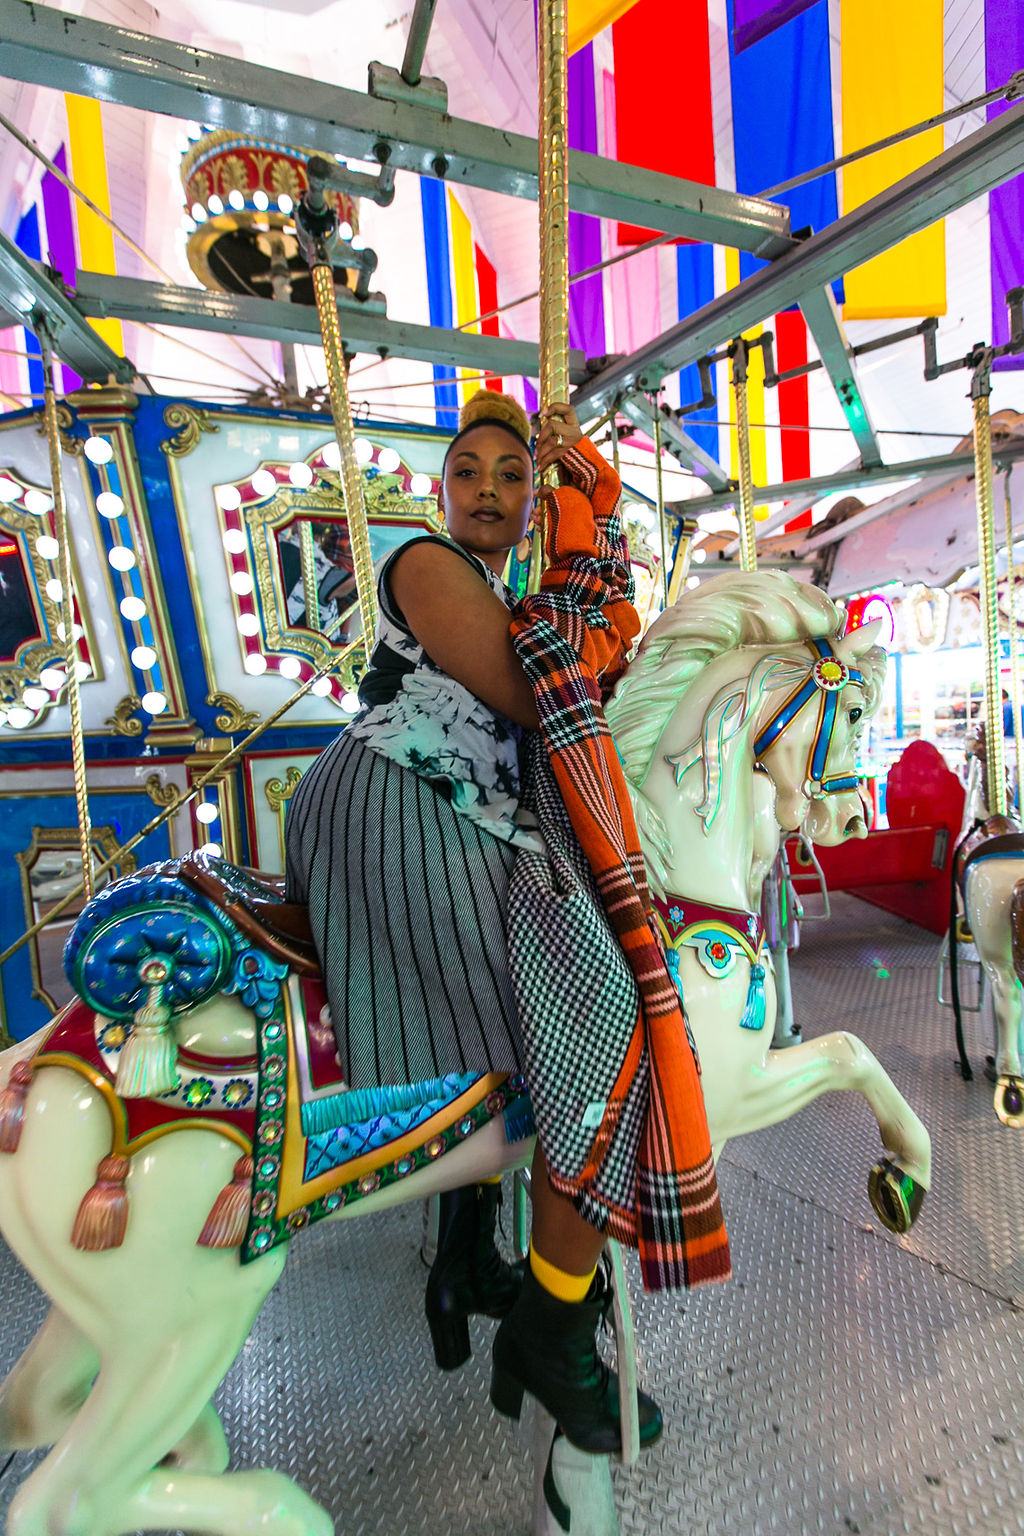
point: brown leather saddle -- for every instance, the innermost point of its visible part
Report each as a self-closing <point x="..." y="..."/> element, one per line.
<point x="998" y="837"/>
<point x="254" y="901"/>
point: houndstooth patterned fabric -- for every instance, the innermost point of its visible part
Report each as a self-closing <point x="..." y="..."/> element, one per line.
<point x="577" y="1001"/>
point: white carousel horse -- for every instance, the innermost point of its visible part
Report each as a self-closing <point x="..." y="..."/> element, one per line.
<point x="990" y="871"/>
<point x="737" y="724"/>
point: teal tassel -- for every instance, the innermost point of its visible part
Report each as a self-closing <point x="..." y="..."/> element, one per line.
<point x="519" y="1122"/>
<point x="755" y="1013"/>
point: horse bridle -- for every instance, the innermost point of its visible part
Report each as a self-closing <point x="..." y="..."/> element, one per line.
<point x="826" y="680"/>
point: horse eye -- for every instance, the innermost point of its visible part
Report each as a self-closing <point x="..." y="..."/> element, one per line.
<point x="855" y="715"/>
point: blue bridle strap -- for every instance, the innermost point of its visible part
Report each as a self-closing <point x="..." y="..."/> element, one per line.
<point x="788" y="711"/>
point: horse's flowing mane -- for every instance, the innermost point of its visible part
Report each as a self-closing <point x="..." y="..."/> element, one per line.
<point x="736" y="609"/>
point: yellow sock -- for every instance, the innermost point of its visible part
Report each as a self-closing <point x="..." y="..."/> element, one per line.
<point x="558" y="1281"/>
<point x="494" y="1179"/>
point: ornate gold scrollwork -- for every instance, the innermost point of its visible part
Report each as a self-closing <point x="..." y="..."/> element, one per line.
<point x="191" y="422"/>
<point x="120" y="721"/>
<point x="159" y="792"/>
<point x="65" y="421"/>
<point x="233" y="717"/>
<point x="278" y="791"/>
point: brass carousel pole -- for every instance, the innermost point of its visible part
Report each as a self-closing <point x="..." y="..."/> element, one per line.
<point x="553" y="209"/>
<point x="67" y="604"/>
<point x="316" y="224"/>
<point x="1011" y="590"/>
<point x="745" y="509"/>
<point x="981" y="387"/>
<point x="661" y="509"/>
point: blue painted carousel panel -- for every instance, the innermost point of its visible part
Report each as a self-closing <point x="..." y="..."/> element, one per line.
<point x="43" y="831"/>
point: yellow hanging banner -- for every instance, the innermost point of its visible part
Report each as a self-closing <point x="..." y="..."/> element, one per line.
<point x="89" y="172"/>
<point x="463" y="280"/>
<point x="891" y="72"/>
<point x="589" y="17"/>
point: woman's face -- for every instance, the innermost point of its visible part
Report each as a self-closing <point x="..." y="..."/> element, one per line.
<point x="487" y="493"/>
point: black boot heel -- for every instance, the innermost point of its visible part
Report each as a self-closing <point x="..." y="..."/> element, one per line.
<point x="450" y="1338"/>
<point x="506" y="1394"/>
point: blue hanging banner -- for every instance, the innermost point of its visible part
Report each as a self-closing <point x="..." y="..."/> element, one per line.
<point x="439" y="292"/>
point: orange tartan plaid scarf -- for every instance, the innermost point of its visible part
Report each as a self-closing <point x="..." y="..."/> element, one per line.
<point x="576" y="631"/>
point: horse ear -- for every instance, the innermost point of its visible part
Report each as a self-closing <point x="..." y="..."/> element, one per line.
<point x="861" y="639"/>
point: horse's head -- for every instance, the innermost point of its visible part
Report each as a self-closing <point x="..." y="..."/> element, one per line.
<point x="747" y="679"/>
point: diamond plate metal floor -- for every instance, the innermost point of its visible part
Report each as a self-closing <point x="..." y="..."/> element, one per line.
<point x="846" y="1381"/>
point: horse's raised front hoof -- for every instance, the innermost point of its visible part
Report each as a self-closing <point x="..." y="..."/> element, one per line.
<point x="1009" y="1100"/>
<point x="896" y="1196"/>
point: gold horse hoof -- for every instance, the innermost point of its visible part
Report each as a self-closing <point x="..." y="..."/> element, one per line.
<point x="896" y="1196"/>
<point x="1009" y="1100"/>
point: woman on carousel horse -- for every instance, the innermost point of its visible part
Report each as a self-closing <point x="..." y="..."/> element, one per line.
<point x="403" y="839"/>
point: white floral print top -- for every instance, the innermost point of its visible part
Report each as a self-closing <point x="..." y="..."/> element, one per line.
<point x="415" y="714"/>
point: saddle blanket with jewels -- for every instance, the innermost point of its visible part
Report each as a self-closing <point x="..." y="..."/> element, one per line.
<point x="316" y="1145"/>
<point x="717" y="935"/>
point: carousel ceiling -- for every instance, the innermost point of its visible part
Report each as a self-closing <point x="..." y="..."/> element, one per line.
<point x="452" y="236"/>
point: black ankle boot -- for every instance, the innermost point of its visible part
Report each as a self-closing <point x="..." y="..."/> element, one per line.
<point x="547" y="1347"/>
<point x="468" y="1275"/>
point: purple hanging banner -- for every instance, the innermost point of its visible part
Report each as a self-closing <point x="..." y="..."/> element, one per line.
<point x="586" y="298"/>
<point x="1004" y="55"/>
<point x="754" y="19"/>
<point x="60" y="240"/>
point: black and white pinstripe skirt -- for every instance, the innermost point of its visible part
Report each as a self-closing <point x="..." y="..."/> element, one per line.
<point x="407" y="901"/>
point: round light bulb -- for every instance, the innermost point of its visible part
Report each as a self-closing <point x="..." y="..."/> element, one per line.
<point x="345" y="230"/>
<point x="300" y="474"/>
<point x="212" y="850"/>
<point x="214" y="204"/>
<point x="363" y="450"/>
<point x="285" y="203"/>
<point x="108" y="504"/>
<point x="19" y="718"/>
<point x="36" y="698"/>
<point x="235" y="541"/>
<point x="289" y="667"/>
<point x="154" y="703"/>
<point x="264" y="483"/>
<point x="388" y="461"/>
<point x="331" y="455"/>
<point x="350" y="703"/>
<point x="54" y="590"/>
<point x="322" y="687"/>
<point x="52" y="678"/>
<point x="247" y="624"/>
<point x="421" y="485"/>
<point x="260" y="200"/>
<point x="82" y="670"/>
<point x="98" y="450"/>
<point x="255" y="664"/>
<point x="229" y="497"/>
<point x="693" y="581"/>
<point x="699" y="556"/>
<point x="241" y="582"/>
<point x="143" y="657"/>
<point x="357" y="243"/>
<point x="236" y="200"/>
<point x="9" y="489"/>
<point x="121" y="558"/>
<point x="206" y="812"/>
<point x="38" y="502"/>
<point x="198" y="212"/>
<point x="47" y="547"/>
<point x="132" y="608"/>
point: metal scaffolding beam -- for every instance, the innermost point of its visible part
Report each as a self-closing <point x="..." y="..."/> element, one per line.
<point x="822" y="316"/>
<point x="68" y="53"/>
<point x="945" y="466"/>
<point x="977" y="163"/>
<point x="27" y="291"/>
<point x="126" y="298"/>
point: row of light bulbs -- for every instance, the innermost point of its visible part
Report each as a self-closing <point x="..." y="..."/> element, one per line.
<point x="214" y="205"/>
<point x="264" y="482"/>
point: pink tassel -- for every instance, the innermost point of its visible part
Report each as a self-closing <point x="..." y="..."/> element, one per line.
<point x="229" y="1215"/>
<point x="12" y="1105"/>
<point x="103" y="1214"/>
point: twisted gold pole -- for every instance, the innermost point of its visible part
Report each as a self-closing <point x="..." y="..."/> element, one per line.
<point x="351" y="479"/>
<point x="980" y="388"/>
<point x="1011" y="586"/>
<point x="553" y="210"/>
<point x="62" y="530"/>
<point x="745" y="509"/>
<point x="661" y="509"/>
<point x="309" y="582"/>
